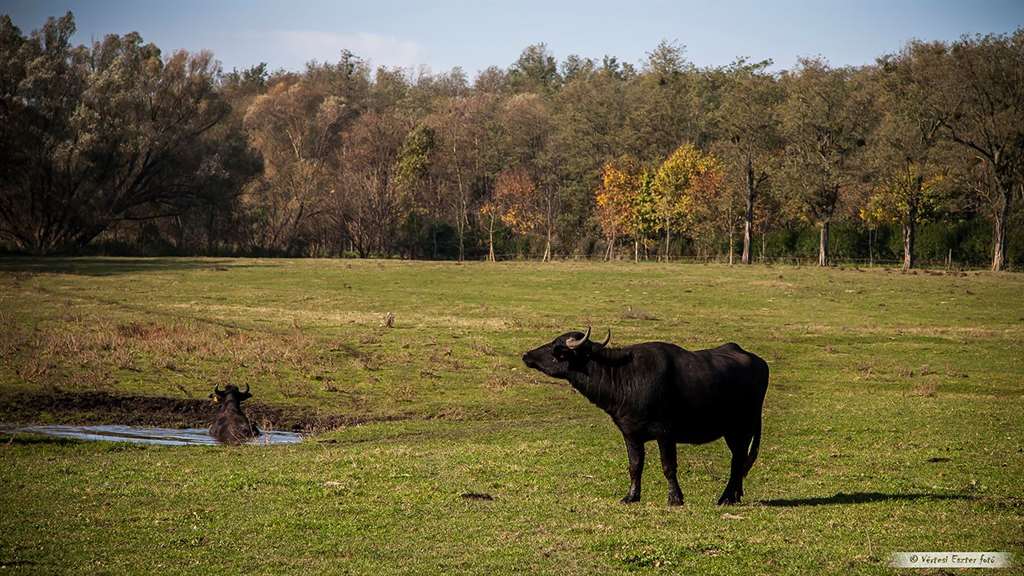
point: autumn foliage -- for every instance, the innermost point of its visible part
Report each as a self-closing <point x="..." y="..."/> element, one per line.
<point x="120" y="147"/>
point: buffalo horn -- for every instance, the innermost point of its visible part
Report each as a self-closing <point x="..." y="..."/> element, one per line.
<point x="573" y="343"/>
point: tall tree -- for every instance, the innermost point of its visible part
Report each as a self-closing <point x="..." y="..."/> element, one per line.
<point x="527" y="123"/>
<point x="983" y="112"/>
<point x="369" y="198"/>
<point x="96" y="136"/>
<point x="516" y="203"/>
<point x="905" y="197"/>
<point x="619" y="182"/>
<point x="690" y="192"/>
<point x="588" y="116"/>
<point x="826" y="117"/>
<point x="749" y="139"/>
<point x="662" y="110"/>
<point x="295" y="127"/>
<point x="905" y="150"/>
<point x="536" y="70"/>
<point x="464" y="126"/>
<point x="643" y="213"/>
<point x="417" y="178"/>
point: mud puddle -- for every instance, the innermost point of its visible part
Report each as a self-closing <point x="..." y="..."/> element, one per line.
<point x="102" y="408"/>
<point x="146" y="434"/>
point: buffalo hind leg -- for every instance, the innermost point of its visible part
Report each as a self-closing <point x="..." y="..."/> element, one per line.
<point x="635" y="450"/>
<point x="734" y="489"/>
<point x="668" y="465"/>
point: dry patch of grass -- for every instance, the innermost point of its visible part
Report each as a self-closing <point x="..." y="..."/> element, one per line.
<point x="320" y="317"/>
<point x="84" y="353"/>
<point x="926" y="389"/>
<point x="949" y="332"/>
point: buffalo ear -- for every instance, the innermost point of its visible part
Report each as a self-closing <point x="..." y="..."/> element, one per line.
<point x="244" y="396"/>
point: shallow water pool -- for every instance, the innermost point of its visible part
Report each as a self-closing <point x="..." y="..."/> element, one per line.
<point x="148" y="435"/>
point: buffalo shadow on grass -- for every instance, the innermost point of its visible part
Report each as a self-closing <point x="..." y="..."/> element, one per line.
<point x="860" y="498"/>
<point x="112" y="266"/>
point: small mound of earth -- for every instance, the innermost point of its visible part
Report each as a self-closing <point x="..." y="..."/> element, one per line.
<point x="477" y="496"/>
<point x="62" y="407"/>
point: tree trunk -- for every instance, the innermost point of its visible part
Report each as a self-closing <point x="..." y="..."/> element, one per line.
<point x="462" y="218"/>
<point x="549" y="230"/>
<point x="762" y="246"/>
<point x="209" y="231"/>
<point x="823" y="244"/>
<point x="490" y="241"/>
<point x="748" y="219"/>
<point x="668" y="240"/>
<point x="461" y="227"/>
<point x="181" y="233"/>
<point x="999" y="226"/>
<point x="732" y="247"/>
<point x="636" y="249"/>
<point x="871" y="247"/>
<point x="909" y="235"/>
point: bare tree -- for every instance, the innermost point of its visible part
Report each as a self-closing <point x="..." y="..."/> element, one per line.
<point x="982" y="80"/>
<point x="750" y="141"/>
<point x="367" y="198"/>
<point x="826" y="118"/>
<point x="295" y="127"/>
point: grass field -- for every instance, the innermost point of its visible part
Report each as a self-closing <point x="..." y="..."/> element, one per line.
<point x="894" y="420"/>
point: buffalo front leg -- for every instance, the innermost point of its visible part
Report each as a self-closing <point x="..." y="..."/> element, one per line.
<point x="635" y="450"/>
<point x="667" y="447"/>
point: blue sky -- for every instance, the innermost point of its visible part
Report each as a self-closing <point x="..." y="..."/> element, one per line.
<point x="445" y="33"/>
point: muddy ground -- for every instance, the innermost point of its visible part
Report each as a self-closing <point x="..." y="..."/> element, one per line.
<point x="63" y="407"/>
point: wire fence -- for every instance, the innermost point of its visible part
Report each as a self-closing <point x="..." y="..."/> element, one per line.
<point x="796" y="261"/>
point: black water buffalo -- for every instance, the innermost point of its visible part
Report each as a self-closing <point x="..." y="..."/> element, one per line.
<point x="231" y="426"/>
<point x="659" y="391"/>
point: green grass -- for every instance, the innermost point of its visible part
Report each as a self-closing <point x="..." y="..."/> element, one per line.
<point x="893" y="420"/>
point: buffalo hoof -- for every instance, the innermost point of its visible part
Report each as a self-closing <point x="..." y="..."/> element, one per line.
<point x="675" y="499"/>
<point x="729" y="499"/>
<point x="630" y="499"/>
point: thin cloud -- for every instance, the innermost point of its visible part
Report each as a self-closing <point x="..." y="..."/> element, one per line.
<point x="300" y="46"/>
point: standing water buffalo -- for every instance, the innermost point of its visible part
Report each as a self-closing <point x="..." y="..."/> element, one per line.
<point x="659" y="391"/>
<point x="231" y="425"/>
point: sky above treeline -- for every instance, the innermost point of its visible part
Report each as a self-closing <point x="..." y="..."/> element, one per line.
<point x="441" y="34"/>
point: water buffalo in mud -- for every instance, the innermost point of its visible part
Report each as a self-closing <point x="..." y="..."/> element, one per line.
<point x="659" y="391"/>
<point x="231" y="426"/>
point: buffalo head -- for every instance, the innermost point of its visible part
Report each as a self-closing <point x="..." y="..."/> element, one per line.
<point x="230" y="393"/>
<point x="569" y="351"/>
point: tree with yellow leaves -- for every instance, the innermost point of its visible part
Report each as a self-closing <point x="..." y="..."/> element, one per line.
<point x="906" y="197"/>
<point x="517" y="204"/>
<point x="643" y="214"/>
<point x="618" y="183"/>
<point x="689" y="193"/>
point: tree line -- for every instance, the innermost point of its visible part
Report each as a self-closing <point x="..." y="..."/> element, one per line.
<point x="120" y="147"/>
